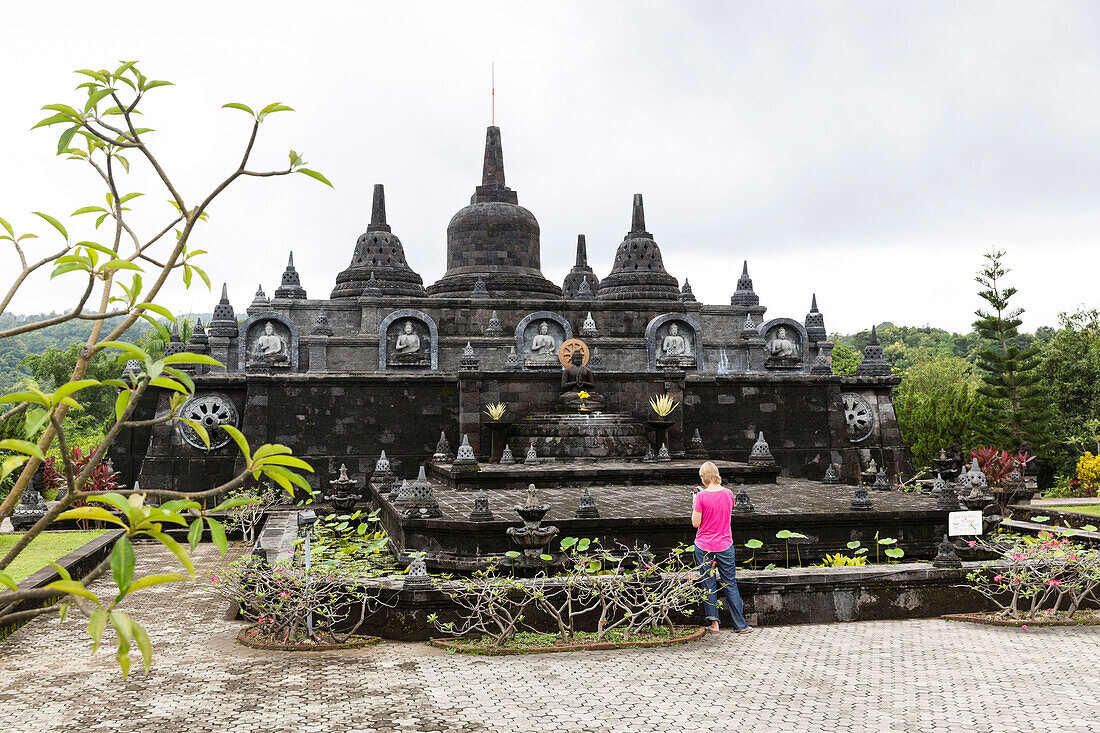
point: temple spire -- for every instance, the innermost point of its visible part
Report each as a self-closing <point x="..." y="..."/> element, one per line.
<point x="582" y="251"/>
<point x="225" y="293"/>
<point x="813" y="304"/>
<point x="637" y="219"/>
<point x="378" y="211"/>
<point x="492" y="173"/>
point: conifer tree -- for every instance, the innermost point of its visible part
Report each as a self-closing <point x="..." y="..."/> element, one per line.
<point x="1017" y="409"/>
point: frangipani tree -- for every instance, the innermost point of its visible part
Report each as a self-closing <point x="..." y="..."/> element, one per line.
<point x="122" y="269"/>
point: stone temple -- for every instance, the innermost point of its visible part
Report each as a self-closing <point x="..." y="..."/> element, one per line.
<point x="387" y="363"/>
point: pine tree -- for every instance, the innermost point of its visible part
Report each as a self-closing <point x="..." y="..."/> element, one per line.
<point x="1018" y="410"/>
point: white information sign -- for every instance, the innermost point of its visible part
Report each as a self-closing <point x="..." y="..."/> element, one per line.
<point x="964" y="523"/>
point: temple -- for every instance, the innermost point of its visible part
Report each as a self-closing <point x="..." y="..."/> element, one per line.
<point x="385" y="363"/>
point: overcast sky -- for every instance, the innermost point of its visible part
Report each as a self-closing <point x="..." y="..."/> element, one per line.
<point x="868" y="152"/>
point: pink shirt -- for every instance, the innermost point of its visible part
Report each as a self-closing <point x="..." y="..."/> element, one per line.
<point x="714" y="533"/>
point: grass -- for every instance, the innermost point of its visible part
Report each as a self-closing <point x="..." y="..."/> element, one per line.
<point x="44" y="549"/>
<point x="535" y="640"/>
<point x="1080" y="509"/>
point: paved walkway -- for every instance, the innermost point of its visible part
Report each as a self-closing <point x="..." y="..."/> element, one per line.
<point x="911" y="676"/>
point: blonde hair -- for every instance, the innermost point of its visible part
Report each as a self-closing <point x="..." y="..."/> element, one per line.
<point x="708" y="473"/>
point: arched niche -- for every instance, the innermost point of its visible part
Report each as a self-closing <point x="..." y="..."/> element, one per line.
<point x="393" y="326"/>
<point x="250" y="349"/>
<point x="529" y="328"/>
<point x="794" y="333"/>
<point x="685" y="355"/>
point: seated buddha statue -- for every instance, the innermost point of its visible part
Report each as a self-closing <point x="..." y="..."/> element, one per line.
<point x="577" y="378"/>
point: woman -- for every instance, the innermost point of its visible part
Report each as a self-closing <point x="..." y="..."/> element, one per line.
<point x="710" y="514"/>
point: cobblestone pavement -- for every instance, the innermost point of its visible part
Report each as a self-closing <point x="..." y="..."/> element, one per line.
<point x="925" y="675"/>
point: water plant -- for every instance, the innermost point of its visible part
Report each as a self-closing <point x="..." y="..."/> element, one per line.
<point x="753" y="544"/>
<point x="787" y="535"/>
<point x="895" y="553"/>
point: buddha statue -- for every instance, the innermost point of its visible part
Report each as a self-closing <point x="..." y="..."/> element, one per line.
<point x="783" y="352"/>
<point x="577" y="378"/>
<point x="675" y="350"/>
<point x="544" y="348"/>
<point x="407" y="347"/>
<point x="269" y="349"/>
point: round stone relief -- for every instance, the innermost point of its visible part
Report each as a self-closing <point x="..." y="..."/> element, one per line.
<point x="859" y="415"/>
<point x="211" y="411"/>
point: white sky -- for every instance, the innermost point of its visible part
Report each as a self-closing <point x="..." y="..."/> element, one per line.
<point x="870" y="152"/>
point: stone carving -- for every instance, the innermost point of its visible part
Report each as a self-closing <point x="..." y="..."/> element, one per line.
<point x="320" y="326"/>
<point x="588" y="328"/>
<point x="938" y="485"/>
<point x="861" y="502"/>
<point x="495" y="327"/>
<point x="511" y="361"/>
<point x="587" y="507"/>
<point x="371" y="289"/>
<point x="532" y="536"/>
<point x="408" y="339"/>
<point x="649" y="457"/>
<point x="830" y="476"/>
<point x="782" y="350"/>
<point x="422" y="502"/>
<point x="417" y="578"/>
<point x="343" y="493"/>
<point x="538" y="337"/>
<point x="742" y="504"/>
<point x="269" y="349"/>
<point x="822" y="364"/>
<point x="544" y="348"/>
<point x="577" y="378"/>
<point x="881" y="484"/>
<point x="672" y="342"/>
<point x="30" y="509"/>
<point x="663" y="455"/>
<point x="686" y="296"/>
<point x="443" y="452"/>
<point x="506" y="457"/>
<point x="465" y="457"/>
<point x="481" y="512"/>
<point x="404" y="492"/>
<point x="948" y="500"/>
<point x="859" y="416"/>
<point x="584" y="290"/>
<point x="260" y="302"/>
<point x="479" y="291"/>
<point x="744" y="295"/>
<point x="383" y="473"/>
<point x="761" y="454"/>
<point x="946" y="557"/>
<point x="873" y="364"/>
<point x="595" y="361"/>
<point x="695" y="448"/>
<point x="468" y="362"/>
<point x="748" y="329"/>
<point x="211" y="411"/>
<point x="532" y="456"/>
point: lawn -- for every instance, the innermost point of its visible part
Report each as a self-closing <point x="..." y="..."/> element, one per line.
<point x="44" y="549"/>
<point x="1081" y="508"/>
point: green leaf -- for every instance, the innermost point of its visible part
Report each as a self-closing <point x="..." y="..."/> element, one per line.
<point x="545" y="558"/>
<point x="512" y="554"/>
<point x="166" y="383"/>
<point x="315" y="175"/>
<point x="160" y="310"/>
<point x="71" y="387"/>
<point x="34" y="396"/>
<point x="92" y="513"/>
<point x="126" y="346"/>
<point x="853" y="544"/>
<point x="194" y="534"/>
<point x="176" y="550"/>
<point x="117" y="264"/>
<point x="88" y="210"/>
<point x="4" y="223"/>
<point x="234" y="503"/>
<point x="1088" y="527"/>
<point x="144" y="645"/>
<point x="239" y="439"/>
<point x="9" y="464"/>
<point x="783" y="534"/>
<point x="62" y="108"/>
<point x="52" y="120"/>
<point x="122" y="563"/>
<point x="887" y="541"/>
<point x="156" y="579"/>
<point x="65" y="139"/>
<point x="97" y="624"/>
<point x="754" y="544"/>
<point x="583" y="544"/>
<point x="96" y="97"/>
<point x="22" y="446"/>
<point x="157" y="83"/>
<point x="121" y="403"/>
<point x="1040" y="519"/>
<point x="186" y="357"/>
<point x="198" y="428"/>
<point x="73" y="587"/>
<point x="54" y="223"/>
<point x="240" y="106"/>
<point x="217" y="534"/>
<point x="894" y="552"/>
<point x="6" y="580"/>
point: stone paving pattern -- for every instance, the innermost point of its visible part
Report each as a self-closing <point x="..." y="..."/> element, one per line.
<point x="912" y="676"/>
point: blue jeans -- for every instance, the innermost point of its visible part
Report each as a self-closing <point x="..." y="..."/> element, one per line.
<point x="722" y="562"/>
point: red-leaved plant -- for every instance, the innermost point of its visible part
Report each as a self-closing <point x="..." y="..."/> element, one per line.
<point x="998" y="464"/>
<point x="53" y="474"/>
